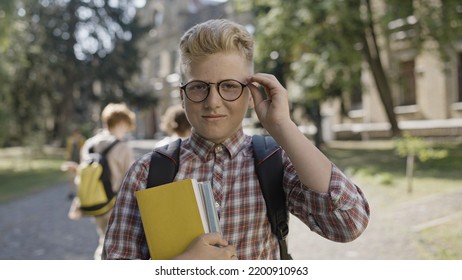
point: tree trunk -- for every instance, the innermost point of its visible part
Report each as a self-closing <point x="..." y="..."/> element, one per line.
<point x="409" y="172"/>
<point x="318" y="137"/>
<point x="372" y="54"/>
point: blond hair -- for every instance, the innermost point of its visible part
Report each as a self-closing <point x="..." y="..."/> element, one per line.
<point x="211" y="37"/>
<point x="115" y="113"/>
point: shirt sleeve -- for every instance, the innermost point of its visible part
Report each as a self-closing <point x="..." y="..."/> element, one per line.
<point x="340" y="215"/>
<point x="125" y="237"/>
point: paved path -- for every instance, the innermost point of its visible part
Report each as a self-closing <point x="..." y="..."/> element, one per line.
<point x="37" y="228"/>
<point x="392" y="233"/>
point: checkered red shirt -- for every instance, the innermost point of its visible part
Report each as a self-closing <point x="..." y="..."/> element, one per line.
<point x="340" y="215"/>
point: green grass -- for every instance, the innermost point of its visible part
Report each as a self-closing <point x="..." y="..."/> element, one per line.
<point x="384" y="172"/>
<point x="372" y="160"/>
<point x="443" y="242"/>
<point x="381" y="166"/>
<point x="22" y="172"/>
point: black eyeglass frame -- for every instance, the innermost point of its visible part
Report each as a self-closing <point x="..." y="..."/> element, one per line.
<point x="183" y="87"/>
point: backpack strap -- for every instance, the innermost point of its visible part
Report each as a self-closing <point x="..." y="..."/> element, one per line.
<point x="106" y="176"/>
<point x="268" y="165"/>
<point x="165" y="160"/>
<point x="108" y="148"/>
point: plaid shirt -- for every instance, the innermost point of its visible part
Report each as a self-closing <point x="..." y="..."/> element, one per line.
<point x="340" y="215"/>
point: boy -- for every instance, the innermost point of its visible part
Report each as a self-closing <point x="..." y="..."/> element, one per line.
<point x="216" y="59"/>
<point x="118" y="120"/>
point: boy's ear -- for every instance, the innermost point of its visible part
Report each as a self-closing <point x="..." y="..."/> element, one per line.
<point x="251" y="103"/>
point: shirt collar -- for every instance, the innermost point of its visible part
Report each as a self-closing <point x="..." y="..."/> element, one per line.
<point x="203" y="147"/>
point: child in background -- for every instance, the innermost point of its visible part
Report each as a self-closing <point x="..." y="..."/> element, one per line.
<point x="118" y="120"/>
<point x="175" y="124"/>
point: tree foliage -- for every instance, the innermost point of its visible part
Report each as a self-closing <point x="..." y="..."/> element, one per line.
<point x="6" y="10"/>
<point x="322" y="45"/>
<point x="306" y="37"/>
<point x="63" y="57"/>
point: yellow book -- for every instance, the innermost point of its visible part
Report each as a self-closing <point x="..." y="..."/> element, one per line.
<point x="174" y="214"/>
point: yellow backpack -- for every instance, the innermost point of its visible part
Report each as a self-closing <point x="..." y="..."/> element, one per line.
<point x="93" y="182"/>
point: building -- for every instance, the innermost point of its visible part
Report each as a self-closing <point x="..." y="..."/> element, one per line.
<point x="427" y="91"/>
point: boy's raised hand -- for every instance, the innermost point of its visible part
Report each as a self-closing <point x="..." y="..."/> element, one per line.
<point x="311" y="165"/>
<point x="273" y="112"/>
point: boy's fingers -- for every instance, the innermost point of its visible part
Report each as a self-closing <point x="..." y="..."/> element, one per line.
<point x="266" y="80"/>
<point x="231" y="250"/>
<point x="256" y="94"/>
<point x="214" y="239"/>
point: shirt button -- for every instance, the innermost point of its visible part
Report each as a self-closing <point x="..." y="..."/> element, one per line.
<point x="218" y="149"/>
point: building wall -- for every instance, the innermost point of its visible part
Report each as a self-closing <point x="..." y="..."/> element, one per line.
<point x="432" y="97"/>
<point x="437" y="110"/>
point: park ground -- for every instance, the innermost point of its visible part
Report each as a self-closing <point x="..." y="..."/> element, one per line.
<point x="423" y="224"/>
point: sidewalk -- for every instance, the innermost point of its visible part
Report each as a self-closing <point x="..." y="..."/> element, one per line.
<point x="392" y="233"/>
<point x="37" y="228"/>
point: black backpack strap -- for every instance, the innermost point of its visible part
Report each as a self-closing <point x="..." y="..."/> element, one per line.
<point x="164" y="164"/>
<point x="268" y="165"/>
<point x="106" y="175"/>
<point x="108" y="148"/>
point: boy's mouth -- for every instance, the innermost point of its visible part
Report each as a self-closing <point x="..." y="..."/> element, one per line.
<point x="213" y="117"/>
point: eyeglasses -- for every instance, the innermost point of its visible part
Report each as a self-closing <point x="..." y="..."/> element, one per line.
<point x="198" y="91"/>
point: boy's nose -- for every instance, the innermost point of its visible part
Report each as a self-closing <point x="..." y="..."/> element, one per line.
<point x="214" y="96"/>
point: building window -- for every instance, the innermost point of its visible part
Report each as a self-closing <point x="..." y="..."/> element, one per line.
<point x="406" y="84"/>
<point x="459" y="77"/>
<point x="356" y="98"/>
<point x="401" y="20"/>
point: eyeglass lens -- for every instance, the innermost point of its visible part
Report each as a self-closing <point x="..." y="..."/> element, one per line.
<point x="198" y="91"/>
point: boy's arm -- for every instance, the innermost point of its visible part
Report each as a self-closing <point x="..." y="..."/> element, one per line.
<point x="340" y="215"/>
<point x="327" y="201"/>
<point x="312" y="166"/>
<point x="125" y="236"/>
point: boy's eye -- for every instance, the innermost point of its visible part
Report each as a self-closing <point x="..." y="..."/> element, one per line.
<point x="229" y="85"/>
<point x="198" y="86"/>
